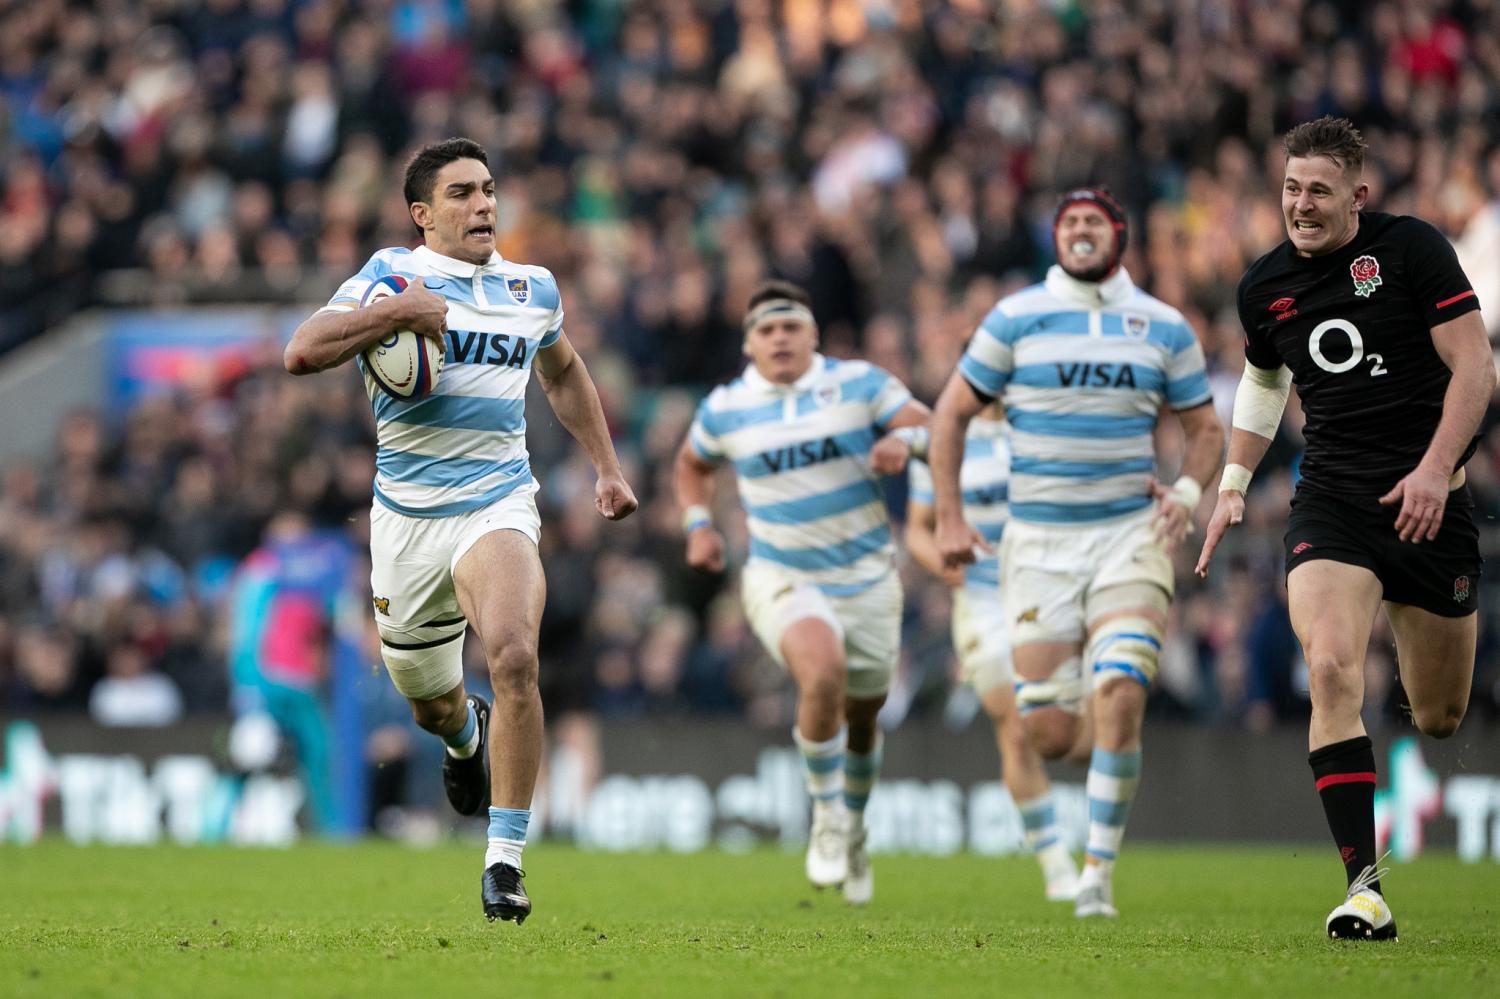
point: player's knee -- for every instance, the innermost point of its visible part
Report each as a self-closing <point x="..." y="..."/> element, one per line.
<point x="1050" y="731"/>
<point x="512" y="661"/>
<point x="1333" y="676"/>
<point x="1010" y="734"/>
<point x="1441" y="721"/>
<point x="823" y="683"/>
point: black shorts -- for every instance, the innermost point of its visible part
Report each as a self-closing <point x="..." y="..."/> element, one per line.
<point x="1440" y="576"/>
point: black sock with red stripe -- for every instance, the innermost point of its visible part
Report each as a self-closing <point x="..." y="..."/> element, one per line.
<point x="1345" y="772"/>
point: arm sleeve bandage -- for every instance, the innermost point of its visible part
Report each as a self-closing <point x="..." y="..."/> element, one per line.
<point x="1261" y="399"/>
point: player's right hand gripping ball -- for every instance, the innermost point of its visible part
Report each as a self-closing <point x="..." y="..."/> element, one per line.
<point x="404" y="364"/>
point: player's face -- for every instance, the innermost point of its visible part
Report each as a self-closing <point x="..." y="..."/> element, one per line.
<point x="782" y="348"/>
<point x="459" y="221"/>
<point x="1085" y="242"/>
<point x="1320" y="201"/>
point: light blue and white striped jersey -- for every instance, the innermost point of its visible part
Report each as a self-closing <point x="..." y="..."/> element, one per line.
<point x="1083" y="370"/>
<point x="982" y="478"/>
<point x="801" y="452"/>
<point x="463" y="446"/>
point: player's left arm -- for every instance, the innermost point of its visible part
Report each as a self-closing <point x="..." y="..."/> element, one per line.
<point x="575" y="400"/>
<point x="1464" y="346"/>
<point x="1450" y="310"/>
<point x="1203" y="452"/>
<point x="1190" y="397"/>
<point x="905" y="437"/>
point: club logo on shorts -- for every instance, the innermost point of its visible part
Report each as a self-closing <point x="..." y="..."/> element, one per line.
<point x="827" y="394"/>
<point x="383" y="605"/>
<point x="1136" y="325"/>
<point x="519" y="289"/>
<point x="1366" y="273"/>
<point x="1461" y="589"/>
<point x="1029" y="615"/>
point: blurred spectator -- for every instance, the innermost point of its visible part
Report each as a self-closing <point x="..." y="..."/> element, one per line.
<point x="282" y="608"/>
<point x="131" y="693"/>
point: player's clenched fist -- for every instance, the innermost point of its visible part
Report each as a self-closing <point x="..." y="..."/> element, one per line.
<point x="957" y="542"/>
<point x="613" y="497"/>
<point x="1228" y="511"/>
<point x="889" y="454"/>
<point x="705" y="549"/>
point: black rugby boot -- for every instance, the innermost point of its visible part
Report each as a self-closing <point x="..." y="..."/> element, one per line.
<point x="467" y="781"/>
<point x="504" y="893"/>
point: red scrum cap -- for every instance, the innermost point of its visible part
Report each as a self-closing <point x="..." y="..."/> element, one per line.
<point x="1106" y="203"/>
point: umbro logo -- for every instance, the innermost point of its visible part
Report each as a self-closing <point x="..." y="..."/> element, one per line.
<point x="1282" y="307"/>
<point x="1302" y="546"/>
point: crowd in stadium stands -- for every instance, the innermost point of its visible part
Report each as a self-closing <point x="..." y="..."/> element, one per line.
<point x="900" y="158"/>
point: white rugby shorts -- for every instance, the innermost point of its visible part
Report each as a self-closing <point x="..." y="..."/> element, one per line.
<point x="981" y="639"/>
<point x="411" y="578"/>
<point x="412" y="558"/>
<point x="1049" y="573"/>
<point x="868" y="623"/>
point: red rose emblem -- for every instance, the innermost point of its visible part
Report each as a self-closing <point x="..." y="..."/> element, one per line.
<point x="1366" y="273"/>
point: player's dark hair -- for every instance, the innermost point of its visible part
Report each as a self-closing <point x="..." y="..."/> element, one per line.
<point x="422" y="171"/>
<point x="777" y="288"/>
<point x="1335" y="138"/>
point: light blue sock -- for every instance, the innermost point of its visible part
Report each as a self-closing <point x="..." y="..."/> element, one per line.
<point x="1112" y="780"/>
<point x="861" y="770"/>
<point x="507" y="836"/>
<point x="1039" y="820"/>
<point x="465" y="741"/>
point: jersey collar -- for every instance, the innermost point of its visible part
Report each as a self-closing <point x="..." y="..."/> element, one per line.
<point x="458" y="268"/>
<point x="1113" y="290"/>
<point x="761" y="383"/>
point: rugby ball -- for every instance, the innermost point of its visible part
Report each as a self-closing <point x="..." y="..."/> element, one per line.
<point x="404" y="364"/>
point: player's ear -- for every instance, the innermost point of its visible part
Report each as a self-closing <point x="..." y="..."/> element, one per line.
<point x="421" y="214"/>
<point x="1361" y="195"/>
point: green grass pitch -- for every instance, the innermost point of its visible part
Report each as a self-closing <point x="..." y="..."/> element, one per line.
<point x="377" y="920"/>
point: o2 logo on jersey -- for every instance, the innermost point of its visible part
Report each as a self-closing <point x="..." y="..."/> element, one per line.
<point x="1356" y="349"/>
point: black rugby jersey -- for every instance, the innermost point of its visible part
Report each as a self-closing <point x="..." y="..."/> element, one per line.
<point x="1355" y="326"/>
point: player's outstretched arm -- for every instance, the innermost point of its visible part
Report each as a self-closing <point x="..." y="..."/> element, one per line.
<point x="1423" y="494"/>
<point x="906" y="438"/>
<point x="575" y="400"/>
<point x="958" y="404"/>
<point x="693" y="486"/>
<point x="331" y="336"/>
<point x="1258" y="404"/>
